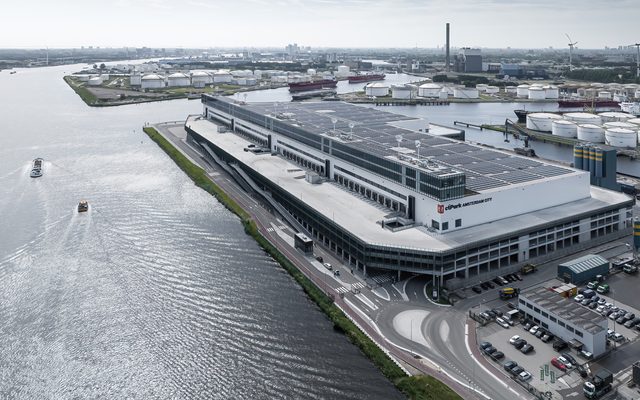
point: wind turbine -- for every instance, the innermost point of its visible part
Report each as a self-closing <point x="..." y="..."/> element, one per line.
<point x="637" y="58"/>
<point x="571" y="44"/>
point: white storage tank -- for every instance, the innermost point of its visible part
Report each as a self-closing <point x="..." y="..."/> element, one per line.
<point x="200" y="79"/>
<point x="222" y="77"/>
<point x="400" y="92"/>
<point x="135" y="79"/>
<point x="620" y="124"/>
<point x="620" y="137"/>
<point x="615" y="116"/>
<point x="583" y="118"/>
<point x="429" y="90"/>
<point x="541" y="121"/>
<point x="343" y="70"/>
<point x="511" y="90"/>
<point x="178" y="79"/>
<point x="104" y="77"/>
<point x="635" y="121"/>
<point x="444" y="94"/>
<point x="311" y="71"/>
<point x="522" y="91"/>
<point x="492" y="89"/>
<point x="465" y="93"/>
<point x="551" y="92"/>
<point x="152" y="81"/>
<point x="604" y="95"/>
<point x="482" y="87"/>
<point x="377" y="89"/>
<point x="94" y="81"/>
<point x="564" y="128"/>
<point x="591" y="133"/>
<point x="536" y="93"/>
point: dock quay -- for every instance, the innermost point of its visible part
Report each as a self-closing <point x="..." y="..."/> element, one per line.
<point x="401" y="102"/>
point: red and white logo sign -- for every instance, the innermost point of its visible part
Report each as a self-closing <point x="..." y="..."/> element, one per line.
<point x="440" y="208"/>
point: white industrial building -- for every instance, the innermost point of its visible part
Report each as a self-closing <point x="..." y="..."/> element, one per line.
<point x="152" y="81"/>
<point x="425" y="203"/>
<point x="401" y="92"/>
<point x="178" y="79"/>
<point x="377" y="89"/>
<point x="565" y="318"/>
<point x="465" y="93"/>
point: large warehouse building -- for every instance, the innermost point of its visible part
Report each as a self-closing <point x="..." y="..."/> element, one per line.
<point x="396" y="194"/>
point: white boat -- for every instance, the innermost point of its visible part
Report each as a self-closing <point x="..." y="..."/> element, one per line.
<point x="36" y="168"/>
<point x="630" y="107"/>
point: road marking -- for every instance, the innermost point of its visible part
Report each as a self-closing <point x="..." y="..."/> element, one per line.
<point x="342" y="289"/>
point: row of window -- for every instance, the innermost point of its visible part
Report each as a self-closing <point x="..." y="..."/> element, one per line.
<point x="445" y="225"/>
<point x="363" y="179"/>
<point x="370" y="194"/>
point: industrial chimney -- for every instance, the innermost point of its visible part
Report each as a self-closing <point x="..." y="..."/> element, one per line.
<point x="447" y="54"/>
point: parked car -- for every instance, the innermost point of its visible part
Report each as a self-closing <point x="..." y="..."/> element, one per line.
<point x="602" y="301"/>
<point x="593" y="305"/>
<point x="328" y="266"/>
<point x="617" y="337"/>
<point x="527" y="325"/>
<point x="511" y="305"/>
<point x="520" y="343"/>
<point x="516" y="370"/>
<point x="526" y="349"/>
<point x="585" y="302"/>
<point x="502" y="323"/>
<point x="569" y="357"/>
<point x="586" y="354"/>
<point x="497" y="355"/>
<point x="476" y="289"/>
<point x="485" y="345"/>
<point x="592" y="285"/>
<point x="503" y="280"/>
<point x="630" y="269"/>
<point x="600" y="309"/>
<point x="560" y="344"/>
<point x="509" y="365"/>
<point x="547" y="337"/>
<point x="558" y="364"/>
<point x="566" y="362"/>
<point x="603" y="289"/>
<point x="539" y="333"/>
<point x="582" y="371"/>
<point x="524" y="376"/>
<point x="518" y="277"/>
<point x="613" y="315"/>
<point x="534" y="329"/>
<point x="485" y="316"/>
<point x="513" y="339"/>
<point x="620" y="320"/>
<point x="491" y="314"/>
<point x="588" y="293"/>
<point x="497" y="281"/>
<point x="579" y="298"/>
<point x="489" y="350"/>
<point x="610" y="333"/>
<point x="497" y="312"/>
<point x="484" y="286"/>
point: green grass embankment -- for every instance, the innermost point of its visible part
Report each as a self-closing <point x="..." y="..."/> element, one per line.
<point x="84" y="93"/>
<point x="416" y="387"/>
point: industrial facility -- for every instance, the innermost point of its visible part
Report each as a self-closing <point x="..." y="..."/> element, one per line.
<point x="583" y="269"/>
<point x="396" y="194"/>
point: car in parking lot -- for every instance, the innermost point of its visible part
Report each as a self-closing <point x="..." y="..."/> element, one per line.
<point x="547" y="337"/>
<point x="620" y="320"/>
<point x="600" y="309"/>
<point x="617" y="337"/>
<point x="631" y="323"/>
<point x="602" y="301"/>
<point x="610" y="333"/>
<point x="491" y="314"/>
<point x="489" y="350"/>
<point x="534" y="329"/>
<point x="579" y="298"/>
<point x="502" y="323"/>
<point x="593" y="305"/>
<point x="485" y="316"/>
<point x="613" y="315"/>
<point x="497" y="312"/>
<point x="586" y="354"/>
<point x="516" y="370"/>
<point x="560" y="344"/>
<point x="497" y="281"/>
<point x="526" y="349"/>
<point x="328" y="266"/>
<point x="524" y="376"/>
<point x="485" y="345"/>
<point x="520" y="343"/>
<point x="513" y="339"/>
<point x="490" y="284"/>
<point x="586" y="302"/>
<point x="484" y="286"/>
<point x="476" y="289"/>
<point x="527" y="325"/>
<point x="592" y="285"/>
<point x="558" y="364"/>
<point x="566" y="362"/>
<point x="569" y="358"/>
<point x="509" y="365"/>
<point x="497" y="355"/>
<point x="539" y="333"/>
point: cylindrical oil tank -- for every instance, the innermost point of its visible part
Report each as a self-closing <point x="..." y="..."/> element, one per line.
<point x="604" y="94"/>
<point x="400" y="92"/>
<point x="577" y="156"/>
<point x="620" y="137"/>
<point x="444" y="94"/>
<point x="522" y="91"/>
<point x="511" y="90"/>
<point x="465" y="93"/>
<point x="564" y="128"/>
<point x="551" y="92"/>
<point x="618" y="124"/>
<point x="583" y="118"/>
<point x="591" y="133"/>
<point x="636" y="232"/>
<point x="536" y="93"/>
<point x="492" y="89"/>
<point x="376" y="89"/>
<point x="482" y="87"/>
<point x="614" y="116"/>
<point x="541" y="121"/>
<point x="429" y="90"/>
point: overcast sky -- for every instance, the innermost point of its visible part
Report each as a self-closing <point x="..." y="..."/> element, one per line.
<point x="318" y="23"/>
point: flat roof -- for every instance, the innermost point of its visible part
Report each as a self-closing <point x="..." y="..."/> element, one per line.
<point x="585" y="263"/>
<point x="565" y="309"/>
<point x="375" y="131"/>
<point x="361" y="216"/>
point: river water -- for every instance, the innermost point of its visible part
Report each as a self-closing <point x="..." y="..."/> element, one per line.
<point x="156" y="292"/>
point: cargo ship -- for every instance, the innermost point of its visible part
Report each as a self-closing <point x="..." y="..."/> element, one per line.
<point x="579" y="103"/>
<point x="366" y="78"/>
<point x="313" y="85"/>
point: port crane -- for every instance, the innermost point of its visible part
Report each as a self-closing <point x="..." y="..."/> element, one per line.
<point x="571" y="45"/>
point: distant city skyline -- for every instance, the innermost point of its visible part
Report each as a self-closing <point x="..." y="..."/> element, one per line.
<point x="594" y="24"/>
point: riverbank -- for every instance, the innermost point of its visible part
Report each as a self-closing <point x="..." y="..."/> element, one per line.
<point x="416" y="387"/>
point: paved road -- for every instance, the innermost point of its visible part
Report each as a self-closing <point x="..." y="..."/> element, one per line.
<point x="441" y="334"/>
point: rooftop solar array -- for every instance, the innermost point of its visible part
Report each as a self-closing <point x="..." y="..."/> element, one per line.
<point x="485" y="168"/>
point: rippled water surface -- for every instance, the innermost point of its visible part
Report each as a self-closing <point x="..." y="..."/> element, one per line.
<point x="156" y="292"/>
